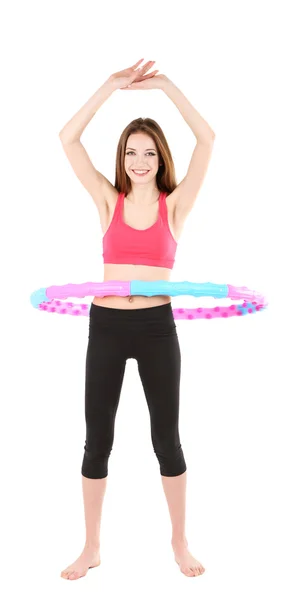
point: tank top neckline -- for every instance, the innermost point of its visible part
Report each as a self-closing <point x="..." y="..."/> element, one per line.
<point x="133" y="228"/>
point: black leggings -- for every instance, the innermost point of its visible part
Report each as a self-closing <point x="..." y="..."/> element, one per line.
<point x="148" y="335"/>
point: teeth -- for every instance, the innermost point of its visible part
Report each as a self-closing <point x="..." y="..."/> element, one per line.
<point x="136" y="171"/>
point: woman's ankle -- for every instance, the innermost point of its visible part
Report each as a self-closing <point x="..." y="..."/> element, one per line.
<point x="92" y="545"/>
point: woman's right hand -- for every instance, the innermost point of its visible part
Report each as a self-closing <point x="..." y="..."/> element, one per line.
<point x="122" y="79"/>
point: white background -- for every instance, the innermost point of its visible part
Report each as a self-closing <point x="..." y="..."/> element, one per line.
<point x="227" y="58"/>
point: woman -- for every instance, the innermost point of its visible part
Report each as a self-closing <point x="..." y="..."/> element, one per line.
<point x="141" y="217"/>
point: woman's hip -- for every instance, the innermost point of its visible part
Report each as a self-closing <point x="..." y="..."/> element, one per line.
<point x="146" y="325"/>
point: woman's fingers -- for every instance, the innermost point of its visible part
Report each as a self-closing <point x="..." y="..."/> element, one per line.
<point x="149" y="75"/>
<point x="142" y="70"/>
<point x="148" y="65"/>
<point x="145" y="67"/>
<point x="137" y="63"/>
<point x="144" y="77"/>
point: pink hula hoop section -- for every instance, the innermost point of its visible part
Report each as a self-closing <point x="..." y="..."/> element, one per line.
<point x="50" y="299"/>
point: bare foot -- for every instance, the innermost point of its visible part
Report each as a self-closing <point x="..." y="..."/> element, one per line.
<point x="188" y="565"/>
<point x="87" y="560"/>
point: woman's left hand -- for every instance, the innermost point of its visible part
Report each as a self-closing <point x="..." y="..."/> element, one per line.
<point x="150" y="83"/>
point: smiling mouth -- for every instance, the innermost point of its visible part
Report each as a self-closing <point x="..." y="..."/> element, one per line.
<point x="140" y="173"/>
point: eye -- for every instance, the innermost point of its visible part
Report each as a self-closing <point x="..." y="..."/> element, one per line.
<point x="131" y="152"/>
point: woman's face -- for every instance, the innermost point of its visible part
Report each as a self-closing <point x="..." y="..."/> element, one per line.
<point x="141" y="155"/>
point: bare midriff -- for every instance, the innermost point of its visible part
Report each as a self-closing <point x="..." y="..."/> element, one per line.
<point x="115" y="272"/>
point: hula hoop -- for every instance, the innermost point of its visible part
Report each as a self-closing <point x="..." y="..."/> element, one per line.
<point x="49" y="299"/>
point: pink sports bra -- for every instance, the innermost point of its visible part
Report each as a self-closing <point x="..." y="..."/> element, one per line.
<point x="154" y="246"/>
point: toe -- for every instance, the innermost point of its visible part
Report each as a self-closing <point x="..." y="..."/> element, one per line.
<point x="64" y="574"/>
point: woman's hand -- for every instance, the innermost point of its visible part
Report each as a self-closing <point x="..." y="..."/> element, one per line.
<point x="156" y="82"/>
<point x="122" y="79"/>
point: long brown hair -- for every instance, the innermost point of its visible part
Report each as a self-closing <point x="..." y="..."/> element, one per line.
<point x="165" y="177"/>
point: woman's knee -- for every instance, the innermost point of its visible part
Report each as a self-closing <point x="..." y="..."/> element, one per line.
<point x="95" y="463"/>
<point x="171" y="459"/>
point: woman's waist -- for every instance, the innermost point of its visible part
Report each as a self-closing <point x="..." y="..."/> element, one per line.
<point x="131" y="302"/>
<point x="121" y="272"/>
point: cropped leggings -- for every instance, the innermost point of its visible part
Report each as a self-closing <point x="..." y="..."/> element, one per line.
<point x="148" y="335"/>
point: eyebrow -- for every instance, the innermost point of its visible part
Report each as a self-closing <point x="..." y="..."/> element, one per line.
<point x="146" y="149"/>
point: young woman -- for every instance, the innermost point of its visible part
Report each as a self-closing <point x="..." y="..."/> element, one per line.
<point x="142" y="217"/>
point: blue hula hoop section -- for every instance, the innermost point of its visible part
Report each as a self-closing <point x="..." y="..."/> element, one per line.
<point x="169" y="288"/>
